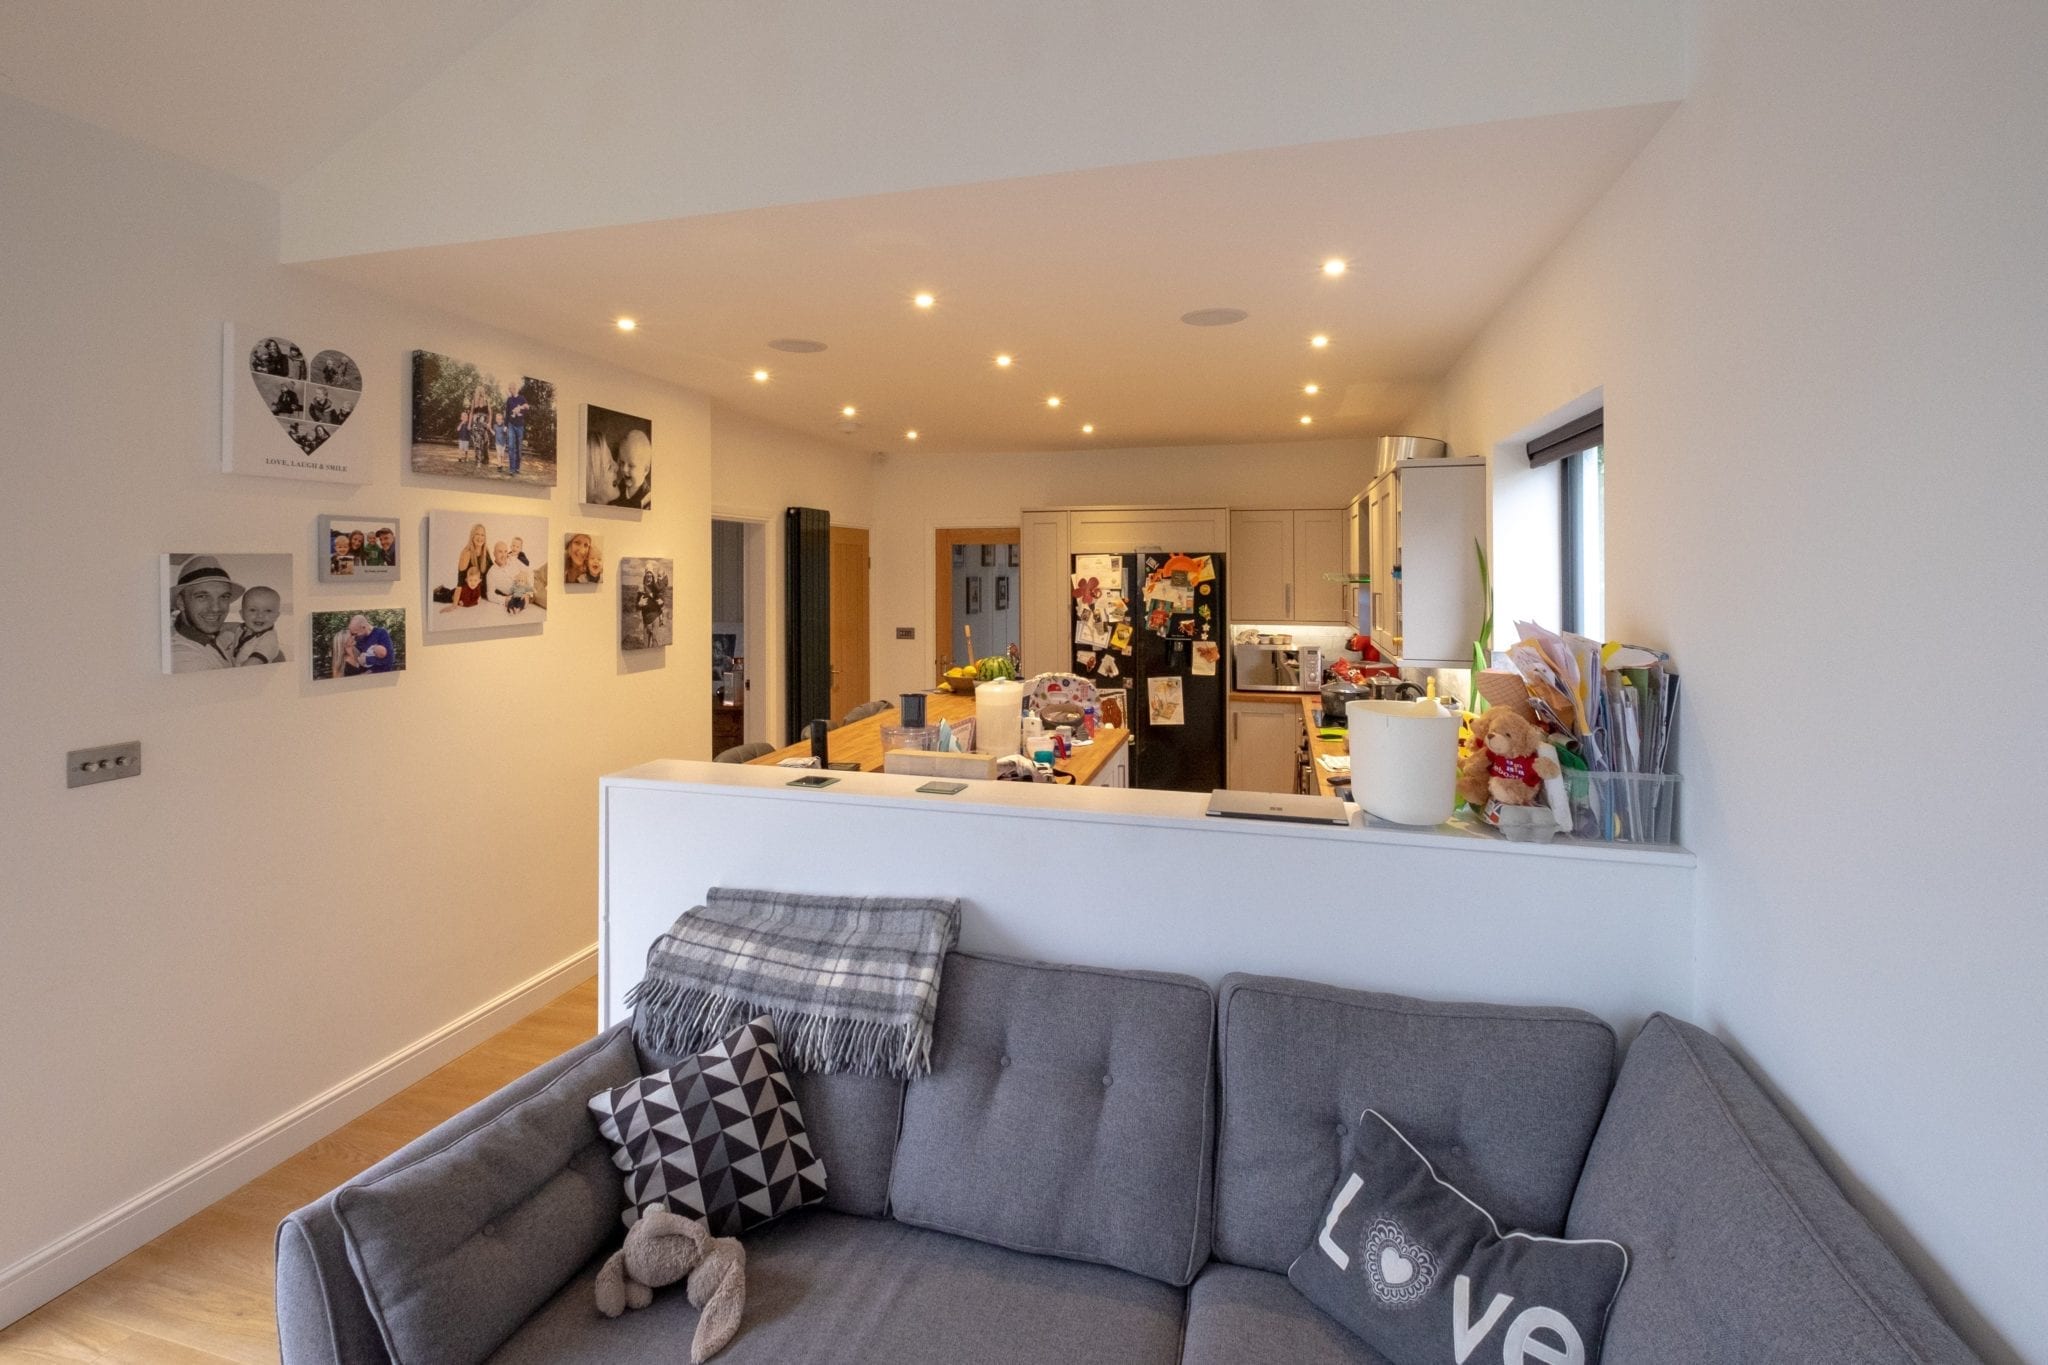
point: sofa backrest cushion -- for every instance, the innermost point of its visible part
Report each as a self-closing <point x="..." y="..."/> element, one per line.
<point x="1068" y="1113"/>
<point x="851" y="1121"/>
<point x="456" y="1247"/>
<point x="1741" y="1247"/>
<point x="1502" y="1099"/>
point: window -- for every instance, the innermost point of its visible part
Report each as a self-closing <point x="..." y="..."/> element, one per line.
<point x="1577" y="451"/>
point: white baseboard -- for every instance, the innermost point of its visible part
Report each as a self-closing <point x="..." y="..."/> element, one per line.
<point x="45" y="1273"/>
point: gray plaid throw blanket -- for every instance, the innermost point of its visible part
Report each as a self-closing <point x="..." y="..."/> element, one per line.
<point x="852" y="982"/>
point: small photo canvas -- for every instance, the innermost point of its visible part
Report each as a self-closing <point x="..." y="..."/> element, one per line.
<point x="224" y="610"/>
<point x="647" y="603"/>
<point x="347" y="644"/>
<point x="485" y="570"/>
<point x="582" y="559"/>
<point x="354" y="549"/>
<point x="283" y="407"/>
<point x="471" y="423"/>
<point x="620" y="461"/>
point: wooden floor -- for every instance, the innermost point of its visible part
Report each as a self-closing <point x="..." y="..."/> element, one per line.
<point x="201" y="1293"/>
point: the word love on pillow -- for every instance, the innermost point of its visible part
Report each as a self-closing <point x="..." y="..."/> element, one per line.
<point x="1424" y="1275"/>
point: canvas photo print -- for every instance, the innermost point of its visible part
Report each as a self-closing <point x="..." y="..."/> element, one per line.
<point x="357" y="548"/>
<point x="348" y="644"/>
<point x="224" y="610"/>
<point x="620" y="461"/>
<point x="486" y="570"/>
<point x="472" y="423"/>
<point x="647" y="603"/>
<point x="283" y="407"/>
<point x="582" y="559"/>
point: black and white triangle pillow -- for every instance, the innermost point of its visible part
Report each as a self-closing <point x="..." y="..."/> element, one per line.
<point x="717" y="1137"/>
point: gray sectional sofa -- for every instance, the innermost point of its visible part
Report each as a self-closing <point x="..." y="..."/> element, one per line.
<point x="1117" y="1167"/>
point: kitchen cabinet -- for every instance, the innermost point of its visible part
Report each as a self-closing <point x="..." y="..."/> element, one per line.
<point x="1279" y="566"/>
<point x="1423" y="522"/>
<point x="1263" y="743"/>
<point x="1048" y="538"/>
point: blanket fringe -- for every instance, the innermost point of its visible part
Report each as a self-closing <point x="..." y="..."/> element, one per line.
<point x="676" y="1021"/>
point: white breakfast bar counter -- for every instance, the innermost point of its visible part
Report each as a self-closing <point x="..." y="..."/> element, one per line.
<point x="1130" y="878"/>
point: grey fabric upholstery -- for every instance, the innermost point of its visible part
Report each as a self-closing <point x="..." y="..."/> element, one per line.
<point x="322" y="1316"/>
<point x="1067" y="1113"/>
<point x="852" y="1122"/>
<point x="744" y="753"/>
<point x="1236" y="1314"/>
<point x="455" y="1247"/>
<point x="1502" y="1099"/>
<point x="866" y="709"/>
<point x="827" y="1289"/>
<point x="1741" y="1247"/>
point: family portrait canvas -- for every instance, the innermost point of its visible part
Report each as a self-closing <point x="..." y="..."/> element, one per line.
<point x="352" y="549"/>
<point x="224" y="610"/>
<point x="348" y="644"/>
<point x="647" y="603"/>
<point x="284" y="406"/>
<point x="620" y="468"/>
<point x="485" y="570"/>
<point x="469" y="422"/>
<point x="582" y="559"/>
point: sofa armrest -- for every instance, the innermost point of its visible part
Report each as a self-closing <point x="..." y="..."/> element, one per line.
<point x="324" y="1316"/>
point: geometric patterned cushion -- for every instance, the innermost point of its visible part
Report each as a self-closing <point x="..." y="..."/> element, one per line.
<point x="716" y="1137"/>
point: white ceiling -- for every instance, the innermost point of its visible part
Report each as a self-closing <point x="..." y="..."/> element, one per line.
<point x="1082" y="276"/>
<point x="260" y="89"/>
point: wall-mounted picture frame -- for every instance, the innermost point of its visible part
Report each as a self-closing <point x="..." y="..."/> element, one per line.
<point x="486" y="570"/>
<point x="1013" y="554"/>
<point x="284" y="407"/>
<point x="356" y="549"/>
<point x="1002" y="592"/>
<point x="472" y="423"/>
<point x="224" y="610"/>
<point x="988" y="556"/>
<point x="647" y="603"/>
<point x="349" y="644"/>
<point x="619" y="459"/>
<point x="974" y="596"/>
<point x="582" y="559"/>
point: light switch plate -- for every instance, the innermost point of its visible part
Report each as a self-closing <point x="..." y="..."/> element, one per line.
<point x="84" y="767"/>
<point x="906" y="632"/>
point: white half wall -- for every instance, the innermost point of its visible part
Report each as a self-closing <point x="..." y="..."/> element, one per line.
<point x="1816" y="307"/>
<point x="309" y="877"/>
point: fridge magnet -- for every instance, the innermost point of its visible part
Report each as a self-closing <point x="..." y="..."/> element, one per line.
<point x="647" y="603"/>
<point x="582" y="559"/>
<point x="1181" y="627"/>
<point x="282" y="412"/>
<point x="224" y="611"/>
<point x="1163" y="701"/>
<point x="1115" y="607"/>
<point x="1207" y="653"/>
<point x="470" y="423"/>
<point x="1085" y="658"/>
<point x="619" y="468"/>
<point x="347" y="644"/>
<point x="1111" y="707"/>
<point x="1109" y="667"/>
<point x="484" y="570"/>
<point x="1120" y="638"/>
<point x="1086" y="590"/>
<point x="1157" y="620"/>
<point x="357" y="548"/>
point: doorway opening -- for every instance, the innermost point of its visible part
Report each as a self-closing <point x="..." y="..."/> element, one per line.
<point x="739" y="630"/>
<point x="849" y="619"/>
<point x="975" y="594"/>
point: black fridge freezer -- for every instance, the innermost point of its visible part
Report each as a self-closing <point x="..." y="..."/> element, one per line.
<point x="1151" y="623"/>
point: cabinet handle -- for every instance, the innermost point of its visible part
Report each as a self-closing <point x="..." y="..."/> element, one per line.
<point x="1233" y="726"/>
<point x="1290" y="599"/>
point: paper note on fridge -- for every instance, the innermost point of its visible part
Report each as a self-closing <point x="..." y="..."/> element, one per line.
<point x="1163" y="699"/>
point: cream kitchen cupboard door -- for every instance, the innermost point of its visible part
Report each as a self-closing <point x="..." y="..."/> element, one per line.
<point x="1044" y="593"/>
<point x="1263" y="741"/>
<point x="1120" y="530"/>
<point x="1318" y="553"/>
<point x="1261" y="566"/>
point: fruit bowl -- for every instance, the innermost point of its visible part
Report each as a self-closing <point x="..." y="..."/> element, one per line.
<point x="959" y="686"/>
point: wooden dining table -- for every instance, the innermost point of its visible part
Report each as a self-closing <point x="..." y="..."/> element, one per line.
<point x="861" y="742"/>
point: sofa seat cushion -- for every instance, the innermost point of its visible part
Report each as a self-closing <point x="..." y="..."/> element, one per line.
<point x="1741" y="1246"/>
<point x="1068" y="1113"/>
<point x="1502" y="1099"/>
<point x="1236" y="1315"/>
<point x="828" y="1288"/>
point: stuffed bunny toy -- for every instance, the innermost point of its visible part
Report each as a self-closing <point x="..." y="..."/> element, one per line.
<point x="663" y="1247"/>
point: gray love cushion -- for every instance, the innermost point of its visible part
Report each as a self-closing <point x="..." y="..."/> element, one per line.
<point x="1423" y="1275"/>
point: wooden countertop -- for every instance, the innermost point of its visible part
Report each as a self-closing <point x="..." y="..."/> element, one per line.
<point x="1310" y="707"/>
<point x="861" y="742"/>
<point x="1274" y="698"/>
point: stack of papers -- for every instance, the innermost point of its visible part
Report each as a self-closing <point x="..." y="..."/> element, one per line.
<point x="1336" y="765"/>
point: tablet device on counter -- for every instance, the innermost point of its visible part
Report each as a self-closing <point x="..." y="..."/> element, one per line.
<point x="1298" y="810"/>
<point x="814" y="780"/>
<point x="943" y="788"/>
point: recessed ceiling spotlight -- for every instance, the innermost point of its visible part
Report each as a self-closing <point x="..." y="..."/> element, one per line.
<point x="1311" y="389"/>
<point x="796" y="345"/>
<point x="1087" y="428"/>
<point x="1334" y="266"/>
<point x="1307" y="420"/>
<point x="1214" y="317"/>
<point x="760" y="376"/>
<point x="846" y="411"/>
<point x="910" y="435"/>
<point x="1003" y="361"/>
<point x="1053" y="401"/>
<point x="924" y="300"/>
<point x="626" y="324"/>
<point x="1319" y="341"/>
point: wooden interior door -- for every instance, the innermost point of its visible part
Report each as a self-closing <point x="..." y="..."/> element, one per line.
<point x="948" y="648"/>
<point x="849" y="619"/>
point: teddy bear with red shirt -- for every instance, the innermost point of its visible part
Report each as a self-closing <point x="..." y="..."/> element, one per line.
<point x="1508" y="762"/>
